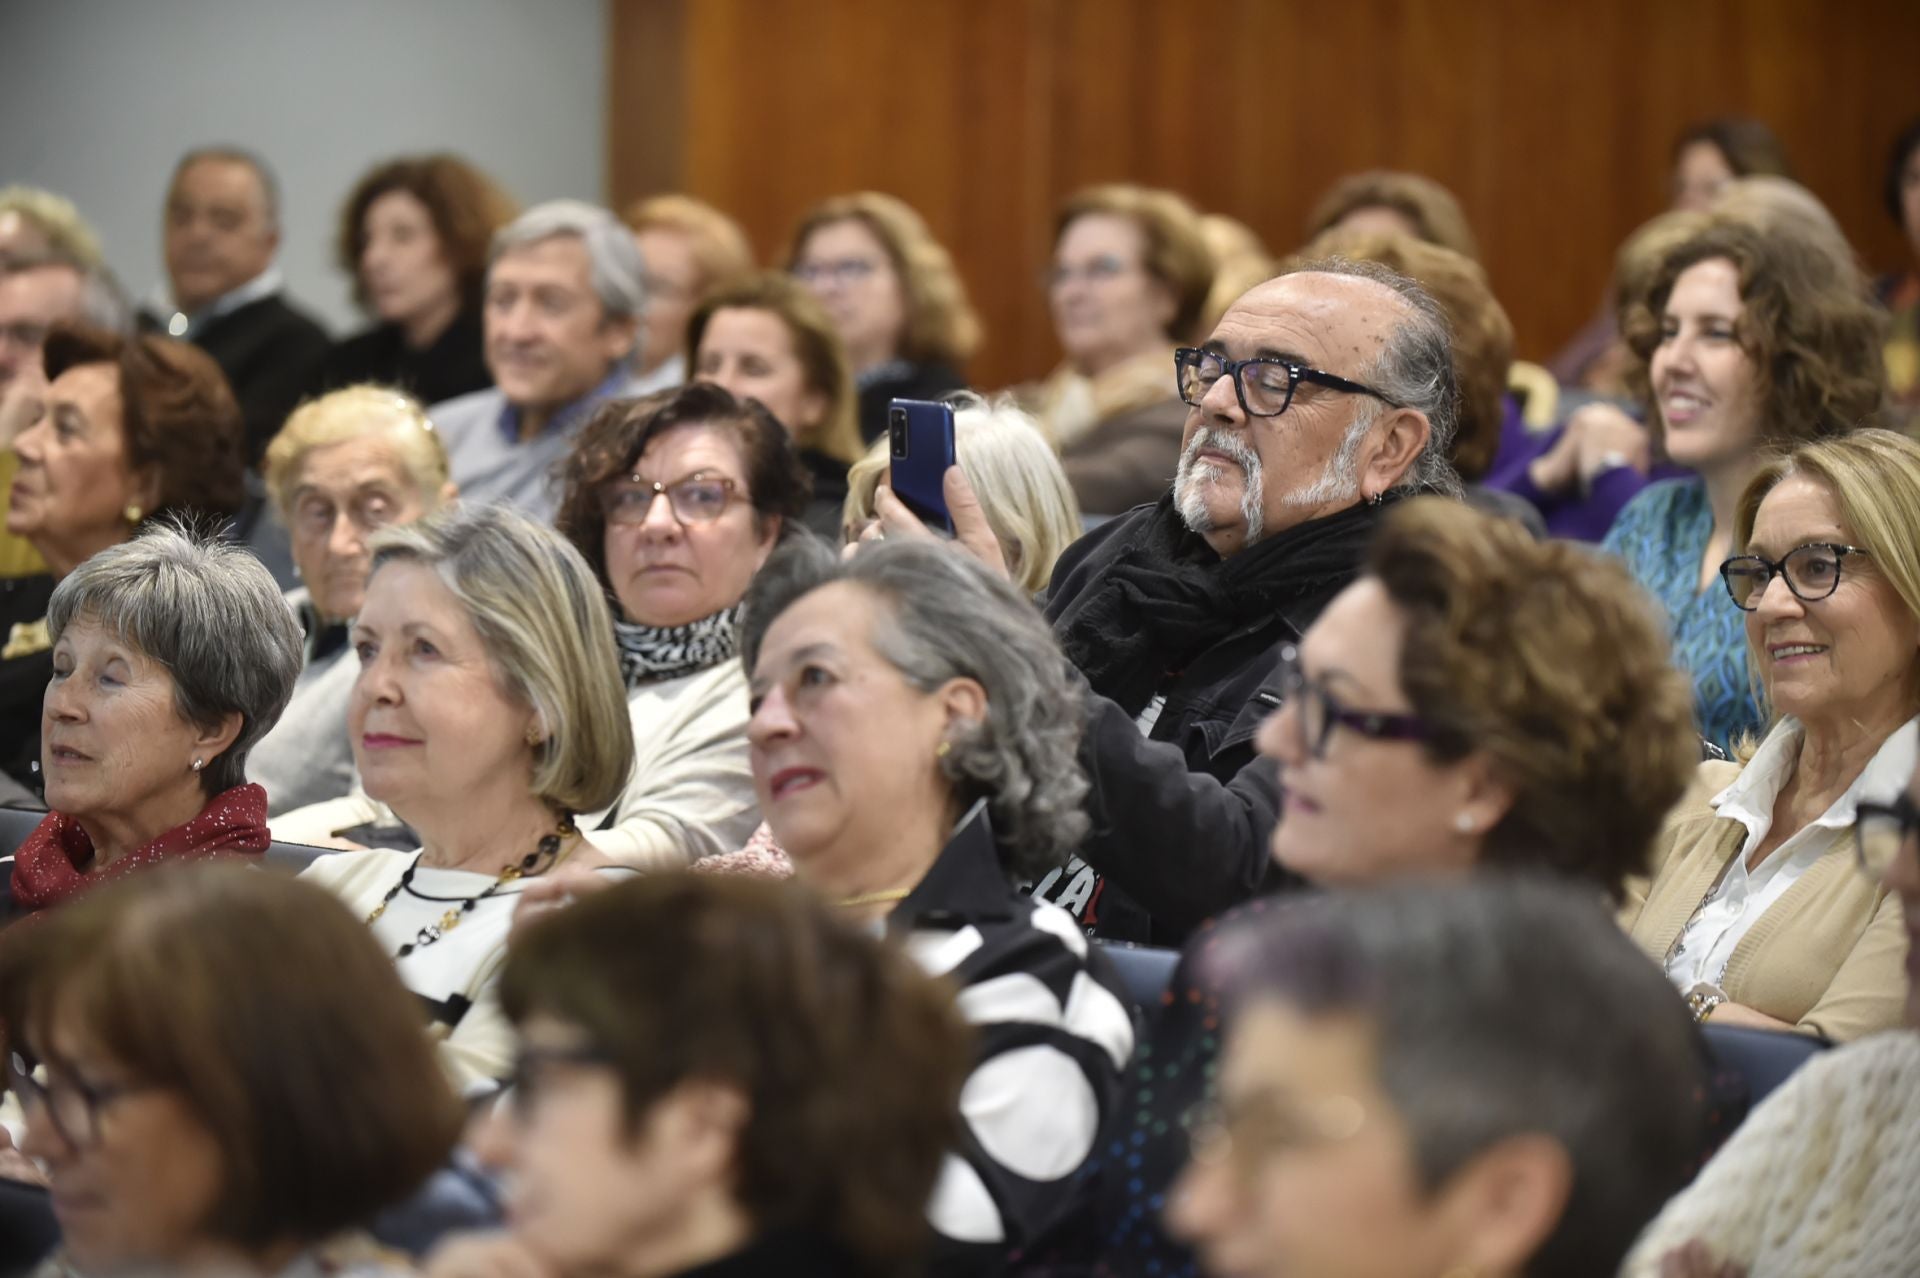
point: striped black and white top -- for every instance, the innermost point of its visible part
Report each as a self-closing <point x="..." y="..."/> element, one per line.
<point x="1052" y="1034"/>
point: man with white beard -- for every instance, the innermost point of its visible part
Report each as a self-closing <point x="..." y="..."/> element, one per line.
<point x="1322" y="396"/>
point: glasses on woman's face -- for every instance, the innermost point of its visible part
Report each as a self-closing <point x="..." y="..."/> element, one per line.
<point x="700" y="498"/>
<point x="843" y="272"/>
<point x="1885" y="832"/>
<point x="1318" y="712"/>
<point x="1812" y="573"/>
<point x="71" y="1104"/>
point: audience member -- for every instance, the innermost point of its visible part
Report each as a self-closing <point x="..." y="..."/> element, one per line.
<point x="1130" y="274"/>
<point x="1241" y="260"/>
<point x="914" y="735"/>
<point x="715" y="1076"/>
<point x="1440" y="1079"/>
<point x="1478" y="701"/>
<point x="1013" y="470"/>
<point x="37" y="224"/>
<point x="488" y="711"/>
<point x="1749" y="339"/>
<point x="1753" y="905"/>
<point x="414" y="236"/>
<point x="1899" y="291"/>
<point x="36" y="294"/>
<point x="894" y="296"/>
<point x="128" y="429"/>
<point x="675" y="501"/>
<point x="564" y="297"/>
<point x="222" y="230"/>
<point x="171" y="657"/>
<point x="1819" y="1179"/>
<point x="690" y="248"/>
<point x="767" y="338"/>
<point x="1385" y="202"/>
<point x="1706" y="157"/>
<point x="345" y="466"/>
<point x="229" y="1078"/>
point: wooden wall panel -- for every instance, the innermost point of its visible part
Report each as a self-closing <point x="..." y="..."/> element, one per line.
<point x="1551" y="121"/>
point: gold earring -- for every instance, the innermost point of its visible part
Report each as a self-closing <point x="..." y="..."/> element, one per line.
<point x="944" y="749"/>
<point x="133" y="512"/>
<point x="533" y="734"/>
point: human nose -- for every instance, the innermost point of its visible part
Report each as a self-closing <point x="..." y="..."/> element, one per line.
<point x="376" y="684"/>
<point x="661" y="519"/>
<point x="1279" y="735"/>
<point x="490" y="1135"/>
<point x="30" y="439"/>
<point x="772" y="720"/>
<point x="42" y="1138"/>
<point x="1198" y="1202"/>
<point x="344" y="539"/>
<point x="1222" y="399"/>
<point x="1776" y="600"/>
<point x="63" y="702"/>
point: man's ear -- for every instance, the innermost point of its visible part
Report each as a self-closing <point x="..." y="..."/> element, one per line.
<point x="1506" y="1202"/>
<point x="1399" y="437"/>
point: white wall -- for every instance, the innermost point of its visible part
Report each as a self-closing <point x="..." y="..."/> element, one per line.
<point x="99" y="97"/>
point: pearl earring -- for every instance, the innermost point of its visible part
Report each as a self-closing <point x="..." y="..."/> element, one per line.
<point x="199" y="764"/>
<point x="133" y="513"/>
<point x="1463" y="823"/>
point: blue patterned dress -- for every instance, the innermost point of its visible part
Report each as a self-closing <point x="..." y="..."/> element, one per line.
<point x="1661" y="534"/>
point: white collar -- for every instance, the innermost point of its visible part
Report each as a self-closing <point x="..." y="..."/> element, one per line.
<point x="1751" y="796"/>
<point x="180" y="324"/>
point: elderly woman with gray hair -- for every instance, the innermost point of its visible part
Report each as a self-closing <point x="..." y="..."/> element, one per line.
<point x="172" y="656"/>
<point x="914" y="746"/>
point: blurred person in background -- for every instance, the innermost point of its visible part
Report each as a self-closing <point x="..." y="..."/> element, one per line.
<point x="1437" y="1079"/>
<point x="128" y="429"/>
<point x="221" y="229"/>
<point x="715" y="1076"/>
<point x="893" y="294"/>
<point x="37" y="224"/>
<point x="202" y="1104"/>
<point x="1015" y="475"/>
<point x="1130" y="273"/>
<point x="1753" y="905"/>
<point x="345" y="466"/>
<point x="172" y="656"/>
<point x="1748" y="338"/>
<point x="766" y="337"/>
<point x="1386" y="202"/>
<point x="413" y="234"/>
<point x="1240" y="260"/>
<point x="487" y="713"/>
<point x="675" y="501"/>
<point x="689" y="249"/>
<point x="1899" y="291"/>
<point x="565" y="294"/>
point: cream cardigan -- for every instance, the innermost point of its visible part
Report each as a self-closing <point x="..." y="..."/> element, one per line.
<point x="1829" y="957"/>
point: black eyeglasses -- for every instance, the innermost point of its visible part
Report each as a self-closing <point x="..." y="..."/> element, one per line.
<point x="1320" y="712"/>
<point x="1265" y="385"/>
<point x="700" y="498"/>
<point x="1882" y="831"/>
<point x="1812" y="573"/>
<point x="72" y="1105"/>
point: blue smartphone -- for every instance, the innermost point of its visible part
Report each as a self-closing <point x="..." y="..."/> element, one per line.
<point x="920" y="441"/>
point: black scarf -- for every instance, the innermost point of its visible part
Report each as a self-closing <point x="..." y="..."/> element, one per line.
<point x="1165" y="597"/>
<point x="648" y="653"/>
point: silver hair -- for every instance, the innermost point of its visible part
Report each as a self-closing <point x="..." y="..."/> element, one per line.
<point x="1187" y="482"/>
<point x="613" y="259"/>
<point x="211" y="614"/>
<point x="103" y="303"/>
<point x="1414" y="368"/>
<point x="949" y="618"/>
<point x="262" y="171"/>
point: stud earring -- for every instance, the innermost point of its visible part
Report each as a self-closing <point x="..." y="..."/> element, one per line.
<point x="133" y="512"/>
<point x="1463" y="823"/>
<point x="534" y="737"/>
<point x="199" y="764"/>
<point x="944" y="749"/>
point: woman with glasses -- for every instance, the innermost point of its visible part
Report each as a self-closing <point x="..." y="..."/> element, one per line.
<point x="1749" y="338"/>
<point x="676" y="500"/>
<point x="1753" y="906"/>
<point x="202" y="1102"/>
<point x="1764" y="1205"/>
<point x="894" y="295"/>
<point x="1130" y="274"/>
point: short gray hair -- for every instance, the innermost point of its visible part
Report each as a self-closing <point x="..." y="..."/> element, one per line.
<point x="1501" y="1005"/>
<point x="613" y="259"/>
<point x="950" y="618"/>
<point x="227" y="153"/>
<point x="211" y="614"/>
<point x="542" y="617"/>
<point x="1414" y="368"/>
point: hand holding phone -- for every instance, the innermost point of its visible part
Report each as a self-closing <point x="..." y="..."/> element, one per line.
<point x="920" y="444"/>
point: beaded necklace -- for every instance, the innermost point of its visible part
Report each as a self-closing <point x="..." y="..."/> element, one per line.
<point x="531" y="864"/>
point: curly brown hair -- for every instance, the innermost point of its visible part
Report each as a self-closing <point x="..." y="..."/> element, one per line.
<point x="1176" y="254"/>
<point x="1546" y="657"/>
<point x="1436" y="215"/>
<point x="851" y="1059"/>
<point x="1814" y="335"/>
<point x="177" y="414"/>
<point x="466" y="206"/>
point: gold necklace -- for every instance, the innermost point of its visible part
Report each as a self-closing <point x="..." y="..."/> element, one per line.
<point x="874" y="898"/>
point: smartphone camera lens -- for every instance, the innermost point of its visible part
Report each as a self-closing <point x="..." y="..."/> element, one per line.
<point x="897" y="431"/>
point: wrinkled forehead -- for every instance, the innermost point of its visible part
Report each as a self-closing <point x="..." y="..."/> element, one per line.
<point x="1338" y="323"/>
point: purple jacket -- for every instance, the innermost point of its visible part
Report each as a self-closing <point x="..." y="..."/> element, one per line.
<point x="1575" y="515"/>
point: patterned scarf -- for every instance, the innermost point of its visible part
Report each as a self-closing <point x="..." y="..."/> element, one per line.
<point x="46" y="873"/>
<point x="648" y="653"/>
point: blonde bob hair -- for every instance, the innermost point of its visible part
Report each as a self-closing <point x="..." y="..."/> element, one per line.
<point x="1016" y="475"/>
<point x="542" y="617"/>
<point x="719" y="246"/>
<point x="940" y="324"/>
<point x="359" y="412"/>
<point x="1874" y="476"/>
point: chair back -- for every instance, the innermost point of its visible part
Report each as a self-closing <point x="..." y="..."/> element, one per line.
<point x="1763" y="1058"/>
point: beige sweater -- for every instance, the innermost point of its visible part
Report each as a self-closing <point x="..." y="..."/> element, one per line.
<point x="1828" y="957"/>
<point x="1823" y="1178"/>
